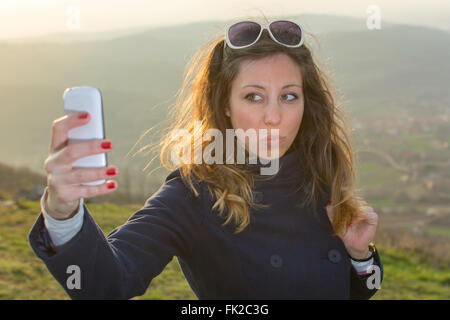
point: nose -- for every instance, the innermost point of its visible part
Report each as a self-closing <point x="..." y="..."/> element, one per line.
<point x="272" y="116"/>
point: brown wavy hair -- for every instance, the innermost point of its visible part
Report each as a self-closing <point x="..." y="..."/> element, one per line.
<point x="326" y="154"/>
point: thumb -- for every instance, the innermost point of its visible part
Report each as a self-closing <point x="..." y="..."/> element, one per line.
<point x="330" y="211"/>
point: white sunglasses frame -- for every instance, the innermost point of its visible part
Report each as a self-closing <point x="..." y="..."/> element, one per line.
<point x="263" y="26"/>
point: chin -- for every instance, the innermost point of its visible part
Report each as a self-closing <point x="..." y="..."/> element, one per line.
<point x="281" y="152"/>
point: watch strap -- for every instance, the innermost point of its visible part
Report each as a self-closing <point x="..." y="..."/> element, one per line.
<point x="372" y="250"/>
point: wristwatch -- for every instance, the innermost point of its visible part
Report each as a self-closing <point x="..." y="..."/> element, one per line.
<point x="372" y="249"/>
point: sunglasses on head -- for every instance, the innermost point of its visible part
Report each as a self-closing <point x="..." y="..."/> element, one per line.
<point x="246" y="33"/>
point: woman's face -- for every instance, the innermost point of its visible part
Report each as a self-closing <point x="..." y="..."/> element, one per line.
<point x="268" y="94"/>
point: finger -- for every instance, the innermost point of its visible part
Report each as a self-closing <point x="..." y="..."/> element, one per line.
<point x="358" y="216"/>
<point x="330" y="213"/>
<point x="94" y="191"/>
<point x="368" y="214"/>
<point x="69" y="193"/>
<point x="367" y="208"/>
<point x="61" y="127"/>
<point x="80" y="175"/>
<point x="75" y="151"/>
<point x="362" y="202"/>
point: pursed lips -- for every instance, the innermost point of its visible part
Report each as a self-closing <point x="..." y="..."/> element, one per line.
<point x="271" y="140"/>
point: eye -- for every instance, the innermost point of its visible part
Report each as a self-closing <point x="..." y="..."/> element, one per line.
<point x="251" y="95"/>
<point x="292" y="94"/>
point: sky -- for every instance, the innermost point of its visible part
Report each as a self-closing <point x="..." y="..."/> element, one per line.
<point x="29" y="18"/>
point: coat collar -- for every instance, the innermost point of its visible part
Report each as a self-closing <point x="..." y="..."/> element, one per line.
<point x="289" y="164"/>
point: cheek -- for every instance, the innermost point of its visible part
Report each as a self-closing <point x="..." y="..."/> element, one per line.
<point x="293" y="120"/>
<point x="244" y="118"/>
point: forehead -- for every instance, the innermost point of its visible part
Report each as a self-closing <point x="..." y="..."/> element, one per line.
<point x="276" y="68"/>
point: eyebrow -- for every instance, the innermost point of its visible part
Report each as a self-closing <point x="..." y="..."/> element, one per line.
<point x="261" y="87"/>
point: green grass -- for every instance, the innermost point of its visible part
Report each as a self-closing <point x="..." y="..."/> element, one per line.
<point x="24" y="276"/>
<point x="418" y="143"/>
<point x="385" y="203"/>
<point x="438" y="230"/>
<point x="406" y="278"/>
<point x="372" y="173"/>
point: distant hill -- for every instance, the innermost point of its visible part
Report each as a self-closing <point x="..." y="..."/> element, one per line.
<point x="21" y="182"/>
<point x="14" y="181"/>
<point x="317" y="23"/>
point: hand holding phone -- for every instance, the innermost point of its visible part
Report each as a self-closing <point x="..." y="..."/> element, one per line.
<point x="86" y="99"/>
<point x="74" y="142"/>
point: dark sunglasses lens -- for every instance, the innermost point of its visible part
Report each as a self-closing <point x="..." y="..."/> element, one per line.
<point x="243" y="33"/>
<point x="286" y="32"/>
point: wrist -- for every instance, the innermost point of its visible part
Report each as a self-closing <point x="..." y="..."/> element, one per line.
<point x="56" y="215"/>
<point x="359" y="255"/>
<point x="362" y="256"/>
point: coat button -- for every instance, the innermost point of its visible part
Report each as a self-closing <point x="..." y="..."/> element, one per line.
<point x="334" y="255"/>
<point x="276" y="261"/>
<point x="257" y="196"/>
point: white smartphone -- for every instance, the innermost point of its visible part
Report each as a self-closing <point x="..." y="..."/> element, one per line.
<point x="86" y="99"/>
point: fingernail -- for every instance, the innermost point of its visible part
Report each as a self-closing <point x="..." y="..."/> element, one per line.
<point x="106" y="145"/>
<point x="111" y="171"/>
<point x="329" y="202"/>
<point x="111" y="185"/>
<point x="84" y="115"/>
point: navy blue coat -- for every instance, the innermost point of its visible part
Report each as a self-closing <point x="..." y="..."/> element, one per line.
<point x="286" y="252"/>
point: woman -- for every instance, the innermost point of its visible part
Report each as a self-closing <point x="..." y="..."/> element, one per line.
<point x="236" y="233"/>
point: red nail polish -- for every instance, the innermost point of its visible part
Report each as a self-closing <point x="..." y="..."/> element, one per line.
<point x="83" y="115"/>
<point x="106" y="145"/>
<point x="111" y="185"/>
<point x="111" y="172"/>
<point x="329" y="202"/>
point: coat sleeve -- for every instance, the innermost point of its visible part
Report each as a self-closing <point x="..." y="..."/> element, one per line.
<point x="359" y="288"/>
<point x="122" y="264"/>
